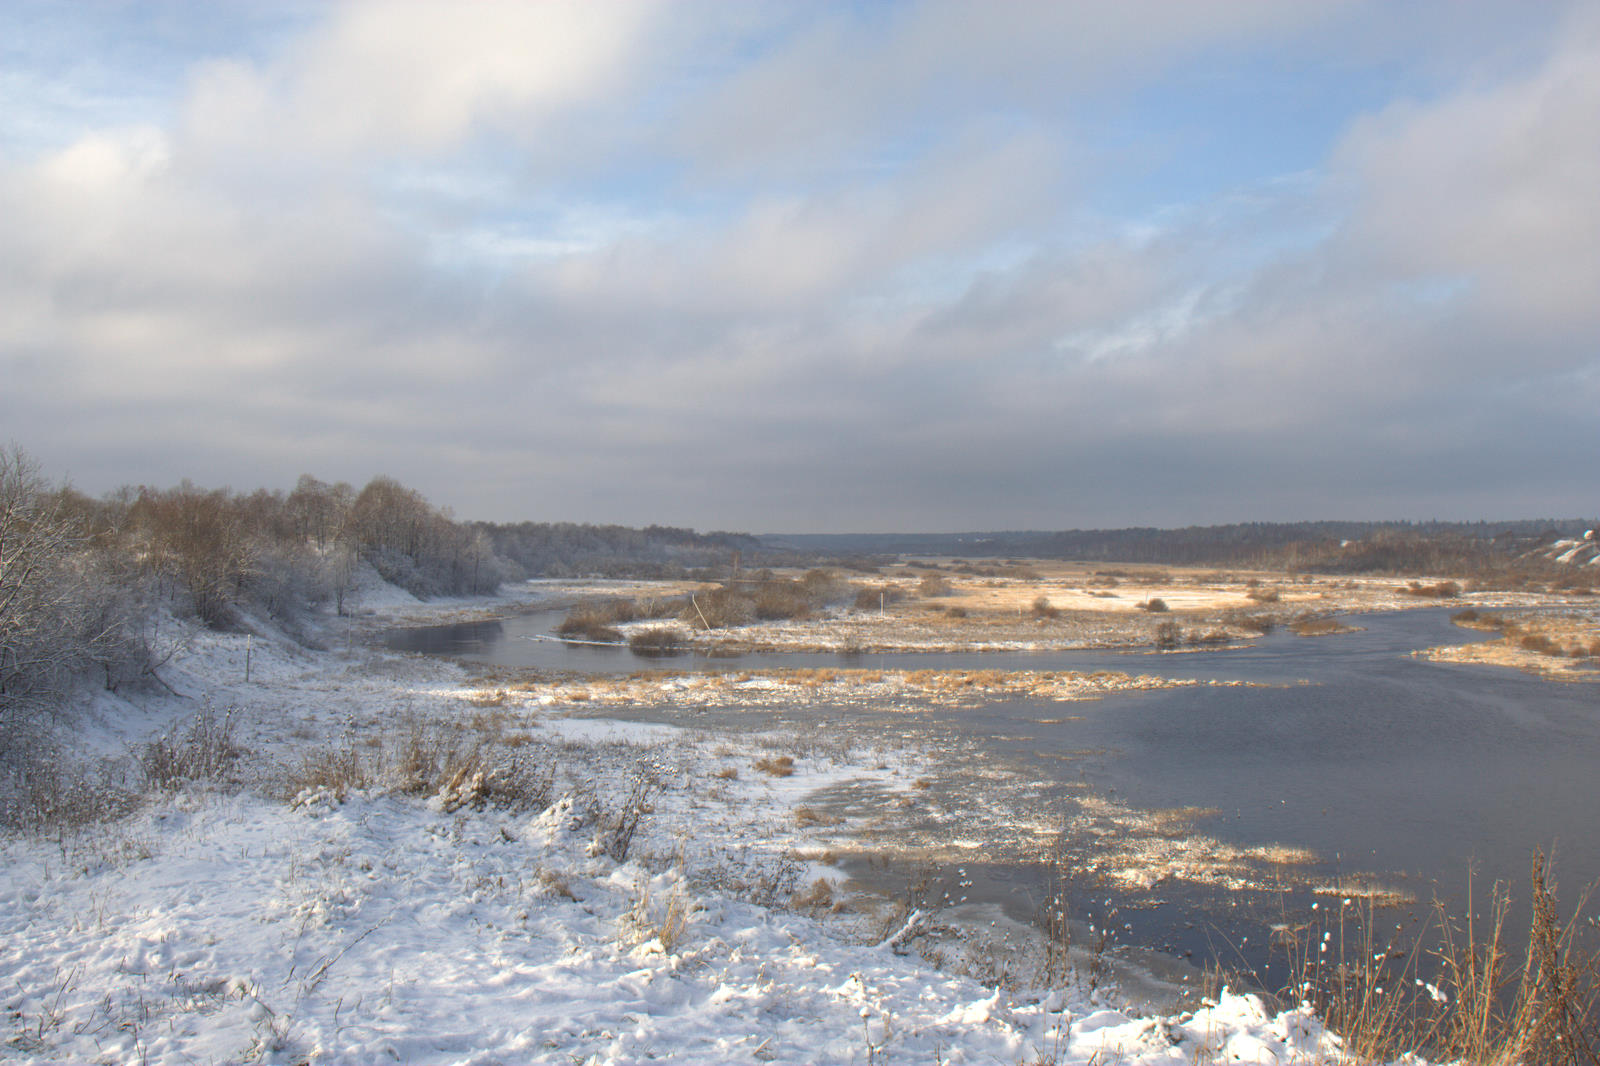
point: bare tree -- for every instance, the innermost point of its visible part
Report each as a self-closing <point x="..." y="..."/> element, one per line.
<point x="319" y="510"/>
<point x="41" y="623"/>
<point x="202" y="539"/>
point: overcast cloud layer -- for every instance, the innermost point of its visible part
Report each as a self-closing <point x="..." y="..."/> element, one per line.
<point x="803" y="267"/>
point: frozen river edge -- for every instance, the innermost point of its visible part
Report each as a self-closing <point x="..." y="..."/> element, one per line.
<point x="326" y="898"/>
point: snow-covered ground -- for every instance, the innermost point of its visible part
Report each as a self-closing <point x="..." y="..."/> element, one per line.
<point x="324" y="900"/>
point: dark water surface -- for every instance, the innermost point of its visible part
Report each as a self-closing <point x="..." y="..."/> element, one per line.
<point x="1379" y="762"/>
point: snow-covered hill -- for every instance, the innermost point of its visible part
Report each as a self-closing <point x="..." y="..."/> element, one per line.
<point x="1583" y="551"/>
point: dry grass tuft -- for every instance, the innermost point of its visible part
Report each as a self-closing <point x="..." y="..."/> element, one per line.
<point x="457" y="764"/>
<point x="1442" y="590"/>
<point x="817" y="896"/>
<point x="776" y="765"/>
<point x="804" y="816"/>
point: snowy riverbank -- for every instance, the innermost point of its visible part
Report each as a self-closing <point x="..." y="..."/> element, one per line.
<point x="393" y="864"/>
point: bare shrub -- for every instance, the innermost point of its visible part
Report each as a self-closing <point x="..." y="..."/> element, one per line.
<point x="615" y="829"/>
<point x="657" y="607"/>
<point x="719" y="608"/>
<point x="766" y="598"/>
<point x="874" y="597"/>
<point x="463" y="768"/>
<point x="591" y="621"/>
<point x="657" y="640"/>
<point x="333" y="770"/>
<point x="1538" y="642"/>
<point x="934" y="585"/>
<point x="205" y="751"/>
<point x="1168" y="634"/>
<point x="823" y="586"/>
<point x="513" y="781"/>
<point x="779" y="600"/>
<point x="1043" y="609"/>
<point x="602" y="617"/>
<point x="1263" y="595"/>
<point x="1155" y="605"/>
<point x="457" y="766"/>
<point x="1439" y="590"/>
<point x="56" y="795"/>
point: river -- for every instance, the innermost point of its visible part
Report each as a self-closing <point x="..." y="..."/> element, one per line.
<point x="1416" y="773"/>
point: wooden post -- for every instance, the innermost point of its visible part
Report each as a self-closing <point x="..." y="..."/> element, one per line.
<point x="249" y="638"/>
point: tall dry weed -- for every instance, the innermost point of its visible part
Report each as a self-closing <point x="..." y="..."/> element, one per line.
<point x="1454" y="991"/>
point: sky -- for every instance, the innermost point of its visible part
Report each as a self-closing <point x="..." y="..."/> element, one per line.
<point x="812" y="267"/>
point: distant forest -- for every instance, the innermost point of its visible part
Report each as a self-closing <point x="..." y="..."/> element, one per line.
<point x="1334" y="547"/>
<point x="569" y="549"/>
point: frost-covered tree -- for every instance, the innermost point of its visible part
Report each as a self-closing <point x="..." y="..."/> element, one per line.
<point x="46" y="630"/>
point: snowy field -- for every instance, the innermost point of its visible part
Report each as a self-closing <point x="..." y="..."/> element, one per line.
<point x="358" y="857"/>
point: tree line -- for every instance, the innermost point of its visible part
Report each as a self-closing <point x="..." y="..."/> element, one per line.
<point x="84" y="581"/>
<point x="1333" y="546"/>
<point x="569" y="549"/>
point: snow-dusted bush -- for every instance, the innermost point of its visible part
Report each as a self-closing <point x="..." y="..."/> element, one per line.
<point x="616" y="828"/>
<point x="204" y="751"/>
<point x="454" y="764"/>
<point x="53" y="793"/>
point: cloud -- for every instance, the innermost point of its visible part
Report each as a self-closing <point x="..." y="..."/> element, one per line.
<point x="813" y="267"/>
<point x="411" y="77"/>
<point x="852" y="80"/>
<point x="1494" y="185"/>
